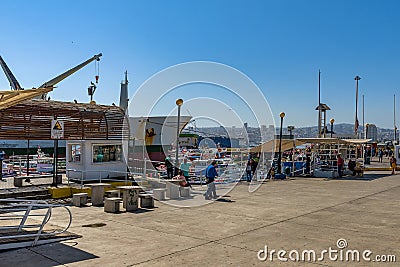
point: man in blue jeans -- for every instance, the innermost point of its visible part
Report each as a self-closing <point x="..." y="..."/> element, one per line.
<point x="211" y="173"/>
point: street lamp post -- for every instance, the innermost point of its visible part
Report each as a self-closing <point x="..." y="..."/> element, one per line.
<point x="179" y="103"/>
<point x="282" y="115"/>
<point x="332" y="121"/>
<point x="357" y="78"/>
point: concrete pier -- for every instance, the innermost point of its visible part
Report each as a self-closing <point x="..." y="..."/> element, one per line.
<point x="296" y="214"/>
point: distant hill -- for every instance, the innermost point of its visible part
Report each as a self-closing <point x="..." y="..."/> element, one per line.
<point x="342" y="129"/>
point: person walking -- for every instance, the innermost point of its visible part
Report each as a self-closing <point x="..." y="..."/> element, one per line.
<point x="340" y="163"/>
<point x="211" y="173"/>
<point x="380" y="155"/>
<point x="249" y="170"/>
<point x="185" y="166"/>
<point x="393" y="164"/>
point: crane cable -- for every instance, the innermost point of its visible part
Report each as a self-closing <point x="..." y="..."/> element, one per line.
<point x="97" y="70"/>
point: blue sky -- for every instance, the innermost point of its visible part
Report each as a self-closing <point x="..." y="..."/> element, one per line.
<point x="280" y="45"/>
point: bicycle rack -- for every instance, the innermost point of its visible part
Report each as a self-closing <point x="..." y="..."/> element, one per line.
<point x="22" y="223"/>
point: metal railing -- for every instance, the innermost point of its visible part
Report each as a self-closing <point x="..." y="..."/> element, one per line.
<point x="25" y="220"/>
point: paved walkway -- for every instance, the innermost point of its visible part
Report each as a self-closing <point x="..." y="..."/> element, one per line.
<point x="298" y="214"/>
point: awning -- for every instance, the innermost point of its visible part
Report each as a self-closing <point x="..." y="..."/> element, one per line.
<point x="322" y="140"/>
<point x="273" y="145"/>
<point x="32" y="119"/>
<point x="14" y="97"/>
<point x="333" y="141"/>
<point x="357" y="141"/>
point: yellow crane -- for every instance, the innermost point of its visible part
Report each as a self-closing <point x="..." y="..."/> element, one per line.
<point x="19" y="94"/>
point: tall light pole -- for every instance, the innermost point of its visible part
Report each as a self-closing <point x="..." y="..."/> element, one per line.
<point x="282" y="115"/>
<point x="357" y="78"/>
<point x="364" y="136"/>
<point x="332" y="121"/>
<point x="394" y="119"/>
<point x="179" y="103"/>
<point x="319" y="104"/>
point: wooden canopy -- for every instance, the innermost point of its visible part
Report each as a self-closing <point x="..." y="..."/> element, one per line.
<point x="273" y="146"/>
<point x="31" y="119"/>
<point x="13" y="97"/>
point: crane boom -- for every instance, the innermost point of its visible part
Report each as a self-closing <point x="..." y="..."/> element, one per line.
<point x="10" y="76"/>
<point x="61" y="77"/>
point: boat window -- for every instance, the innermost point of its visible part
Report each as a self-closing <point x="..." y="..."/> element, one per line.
<point x="107" y="153"/>
<point x="75" y="153"/>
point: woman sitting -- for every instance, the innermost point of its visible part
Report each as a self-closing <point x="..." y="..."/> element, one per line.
<point x="181" y="178"/>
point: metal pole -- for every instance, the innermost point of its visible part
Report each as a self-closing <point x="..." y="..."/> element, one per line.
<point x="27" y="159"/>
<point x="2" y="153"/>
<point x="290" y="129"/>
<point x="394" y="118"/>
<point x="179" y="103"/>
<point x="364" y="135"/>
<point x="280" y="145"/>
<point x="319" y="103"/>
<point x="331" y="129"/>
<point x="357" y="78"/>
<point x="56" y="182"/>
<point x="55" y="159"/>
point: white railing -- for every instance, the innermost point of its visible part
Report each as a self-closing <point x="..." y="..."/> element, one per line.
<point x="22" y="219"/>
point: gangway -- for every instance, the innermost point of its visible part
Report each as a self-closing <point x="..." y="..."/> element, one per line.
<point x="25" y="223"/>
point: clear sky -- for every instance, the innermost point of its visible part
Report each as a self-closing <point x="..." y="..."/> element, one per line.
<point x="280" y="45"/>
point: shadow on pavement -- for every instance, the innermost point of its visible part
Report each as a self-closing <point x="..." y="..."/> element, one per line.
<point x="224" y="200"/>
<point x="49" y="255"/>
<point x="366" y="177"/>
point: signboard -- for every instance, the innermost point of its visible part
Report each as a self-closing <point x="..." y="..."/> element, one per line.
<point x="57" y="129"/>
